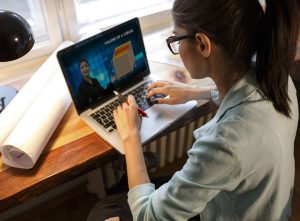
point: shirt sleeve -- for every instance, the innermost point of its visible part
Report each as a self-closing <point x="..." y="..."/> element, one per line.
<point x="212" y="167"/>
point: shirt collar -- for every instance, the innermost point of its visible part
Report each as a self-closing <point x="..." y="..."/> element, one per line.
<point x="245" y="89"/>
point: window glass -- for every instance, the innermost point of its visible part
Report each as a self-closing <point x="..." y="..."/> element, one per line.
<point x="31" y="10"/>
<point x="90" y="11"/>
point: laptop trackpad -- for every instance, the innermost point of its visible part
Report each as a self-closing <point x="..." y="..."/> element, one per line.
<point x="160" y="116"/>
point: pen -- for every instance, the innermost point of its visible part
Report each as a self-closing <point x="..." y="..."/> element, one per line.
<point x="122" y="98"/>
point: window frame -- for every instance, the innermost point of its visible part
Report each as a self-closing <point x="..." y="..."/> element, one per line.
<point x="54" y="35"/>
<point x="150" y="18"/>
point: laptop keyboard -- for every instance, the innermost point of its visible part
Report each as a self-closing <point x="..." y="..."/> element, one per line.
<point x="104" y="116"/>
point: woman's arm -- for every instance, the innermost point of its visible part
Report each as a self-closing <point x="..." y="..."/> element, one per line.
<point x="129" y="124"/>
<point x="179" y="93"/>
<point x="135" y="163"/>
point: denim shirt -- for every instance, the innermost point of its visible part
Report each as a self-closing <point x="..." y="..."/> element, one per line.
<point x="241" y="166"/>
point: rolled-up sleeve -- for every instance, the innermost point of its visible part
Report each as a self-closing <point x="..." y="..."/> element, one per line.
<point x="212" y="167"/>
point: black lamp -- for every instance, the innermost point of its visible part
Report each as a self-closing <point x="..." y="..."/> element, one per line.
<point x="16" y="40"/>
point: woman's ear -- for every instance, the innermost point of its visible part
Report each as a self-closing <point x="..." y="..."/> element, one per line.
<point x="203" y="44"/>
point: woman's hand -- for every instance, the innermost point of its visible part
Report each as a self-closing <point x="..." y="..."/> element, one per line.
<point x="129" y="125"/>
<point x="127" y="119"/>
<point x="178" y="93"/>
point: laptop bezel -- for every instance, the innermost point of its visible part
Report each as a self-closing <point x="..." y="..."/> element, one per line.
<point x="69" y="49"/>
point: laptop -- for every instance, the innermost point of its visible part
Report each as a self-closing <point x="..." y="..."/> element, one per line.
<point x="114" y="60"/>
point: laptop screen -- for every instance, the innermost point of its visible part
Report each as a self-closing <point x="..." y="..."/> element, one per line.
<point x="110" y="60"/>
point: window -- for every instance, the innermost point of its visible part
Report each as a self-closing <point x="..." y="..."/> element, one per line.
<point x="91" y="11"/>
<point x="81" y="17"/>
<point x="40" y="15"/>
<point x="55" y="21"/>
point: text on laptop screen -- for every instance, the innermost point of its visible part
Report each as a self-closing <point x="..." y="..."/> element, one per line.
<point x="96" y="66"/>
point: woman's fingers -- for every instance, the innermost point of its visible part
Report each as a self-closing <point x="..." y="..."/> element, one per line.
<point x="115" y="113"/>
<point x="125" y="105"/>
<point x="157" y="84"/>
<point x="131" y="100"/>
<point x="126" y="118"/>
<point x="119" y="108"/>
<point x="160" y="90"/>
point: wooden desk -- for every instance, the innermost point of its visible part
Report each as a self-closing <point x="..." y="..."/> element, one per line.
<point x="75" y="149"/>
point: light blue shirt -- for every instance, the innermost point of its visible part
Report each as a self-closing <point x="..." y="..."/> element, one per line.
<point x="241" y="166"/>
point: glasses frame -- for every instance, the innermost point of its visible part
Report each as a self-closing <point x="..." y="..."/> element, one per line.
<point x="173" y="39"/>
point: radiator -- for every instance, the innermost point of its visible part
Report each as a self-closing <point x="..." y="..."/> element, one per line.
<point x="167" y="149"/>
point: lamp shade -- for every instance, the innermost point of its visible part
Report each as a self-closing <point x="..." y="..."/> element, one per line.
<point x="16" y="38"/>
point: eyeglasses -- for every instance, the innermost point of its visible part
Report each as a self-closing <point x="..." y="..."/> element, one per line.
<point x="173" y="42"/>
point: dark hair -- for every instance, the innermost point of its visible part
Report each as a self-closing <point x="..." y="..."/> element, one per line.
<point x="83" y="60"/>
<point x="243" y="30"/>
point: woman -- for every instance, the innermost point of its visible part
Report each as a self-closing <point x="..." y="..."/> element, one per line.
<point x="241" y="166"/>
<point x="89" y="89"/>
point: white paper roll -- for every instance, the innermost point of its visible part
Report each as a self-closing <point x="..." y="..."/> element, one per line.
<point x="28" y="122"/>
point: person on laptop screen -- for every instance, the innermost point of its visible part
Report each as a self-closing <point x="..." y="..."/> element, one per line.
<point x="241" y="166"/>
<point x="89" y="89"/>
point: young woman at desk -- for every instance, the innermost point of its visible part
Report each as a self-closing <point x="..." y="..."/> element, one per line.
<point x="241" y="166"/>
